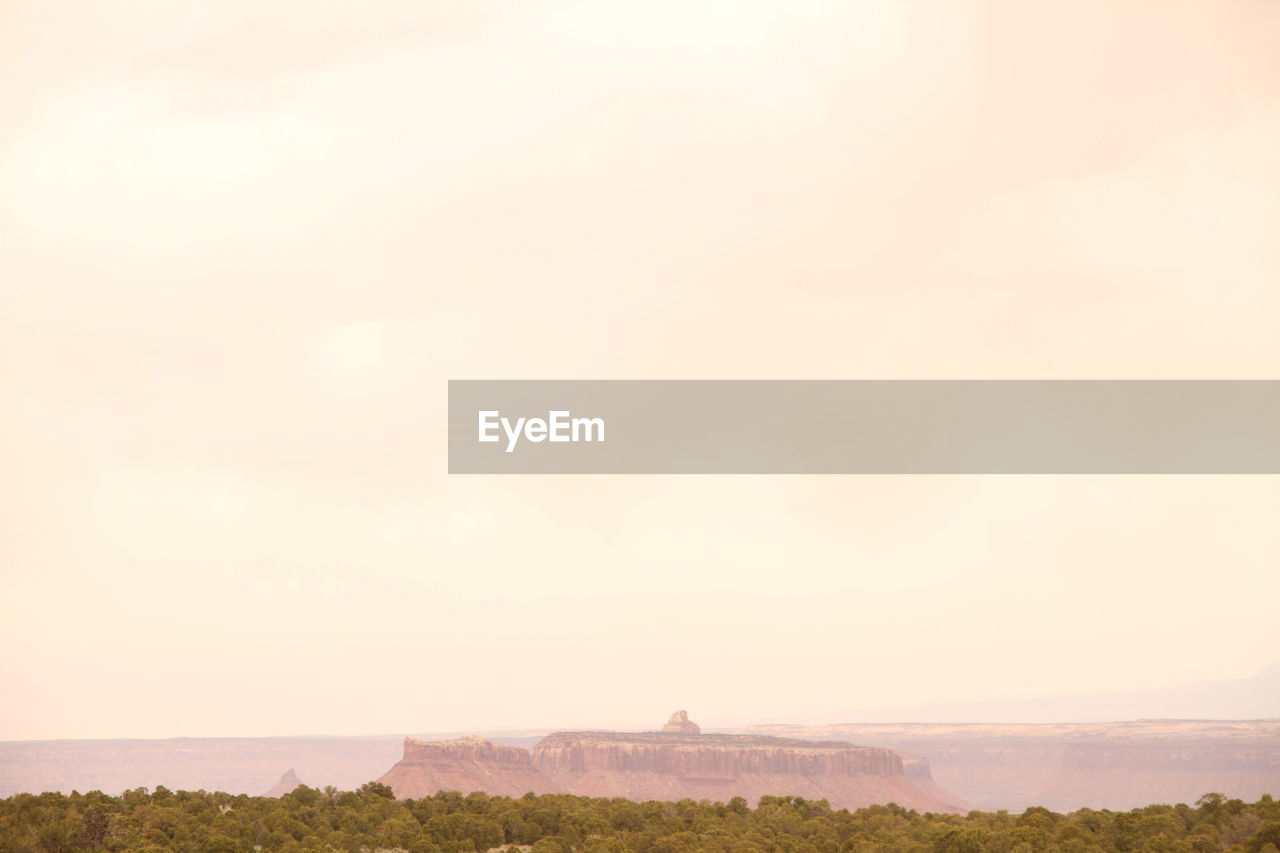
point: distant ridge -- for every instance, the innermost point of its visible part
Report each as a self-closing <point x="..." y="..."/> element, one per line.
<point x="1253" y="698"/>
<point x="1066" y="766"/>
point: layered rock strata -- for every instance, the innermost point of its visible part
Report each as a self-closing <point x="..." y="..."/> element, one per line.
<point x="466" y="764"/>
<point x="680" y="722"/>
<point x="1069" y="766"/>
<point x="672" y="765"/>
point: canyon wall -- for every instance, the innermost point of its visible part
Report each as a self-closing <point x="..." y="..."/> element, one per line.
<point x="466" y="764"/>
<point x="1075" y="765"/>
<point x="673" y="766"/>
<point x="1162" y="770"/>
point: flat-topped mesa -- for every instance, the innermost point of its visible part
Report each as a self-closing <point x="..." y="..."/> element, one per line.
<point x="469" y="748"/>
<point x="680" y="722"/>
<point x="676" y="763"/>
<point x="670" y="765"/>
<point x="466" y="764"/>
<point x="678" y="753"/>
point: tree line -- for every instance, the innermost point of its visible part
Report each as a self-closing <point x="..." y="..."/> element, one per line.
<point x="373" y="819"/>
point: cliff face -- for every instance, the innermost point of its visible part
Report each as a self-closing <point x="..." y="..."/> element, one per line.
<point x="1132" y="774"/>
<point x="463" y="749"/>
<point x="1068" y="766"/>
<point x="1171" y="756"/>
<point x="467" y="764"/>
<point x="680" y="722"/>
<point x="708" y="755"/>
<point x="673" y="766"/>
<point x="991" y="773"/>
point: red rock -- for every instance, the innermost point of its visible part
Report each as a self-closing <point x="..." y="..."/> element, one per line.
<point x="680" y="722"/>
<point x="466" y="764"/>
<point x="673" y="766"/>
<point x="287" y="783"/>
<point x="1068" y="766"/>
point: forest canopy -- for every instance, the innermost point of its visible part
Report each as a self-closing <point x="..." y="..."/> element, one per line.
<point x="373" y="819"/>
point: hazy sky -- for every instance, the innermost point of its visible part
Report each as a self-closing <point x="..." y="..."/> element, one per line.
<point x="243" y="245"/>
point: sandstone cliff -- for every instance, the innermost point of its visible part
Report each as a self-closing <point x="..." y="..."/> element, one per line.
<point x="673" y="766"/>
<point x="680" y="722"/>
<point x="1138" y="772"/>
<point x="1068" y="766"/>
<point x="466" y="764"/>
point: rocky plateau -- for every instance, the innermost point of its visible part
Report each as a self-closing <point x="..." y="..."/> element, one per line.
<point x="676" y="763"/>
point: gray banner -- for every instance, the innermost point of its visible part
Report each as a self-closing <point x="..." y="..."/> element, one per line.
<point x="863" y="427"/>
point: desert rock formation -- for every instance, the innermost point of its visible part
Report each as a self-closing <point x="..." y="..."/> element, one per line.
<point x="680" y="722"/>
<point x="466" y="764"/>
<point x="1075" y="765"/>
<point x="672" y="765"/>
<point x="287" y="783"/>
<point x="987" y="766"/>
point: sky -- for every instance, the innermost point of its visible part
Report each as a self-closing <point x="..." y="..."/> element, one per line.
<point x="243" y="249"/>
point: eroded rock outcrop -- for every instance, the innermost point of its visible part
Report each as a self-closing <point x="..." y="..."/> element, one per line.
<point x="680" y="722"/>
<point x="287" y="783"/>
<point x="671" y="765"/>
<point x="1137" y="772"/>
<point x="1067" y="766"/>
<point x="674" y="765"/>
<point x="466" y="764"/>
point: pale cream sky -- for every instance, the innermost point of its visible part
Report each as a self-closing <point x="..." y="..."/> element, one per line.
<point x="242" y="248"/>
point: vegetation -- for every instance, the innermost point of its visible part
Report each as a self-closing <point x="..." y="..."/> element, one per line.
<point x="372" y="819"/>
